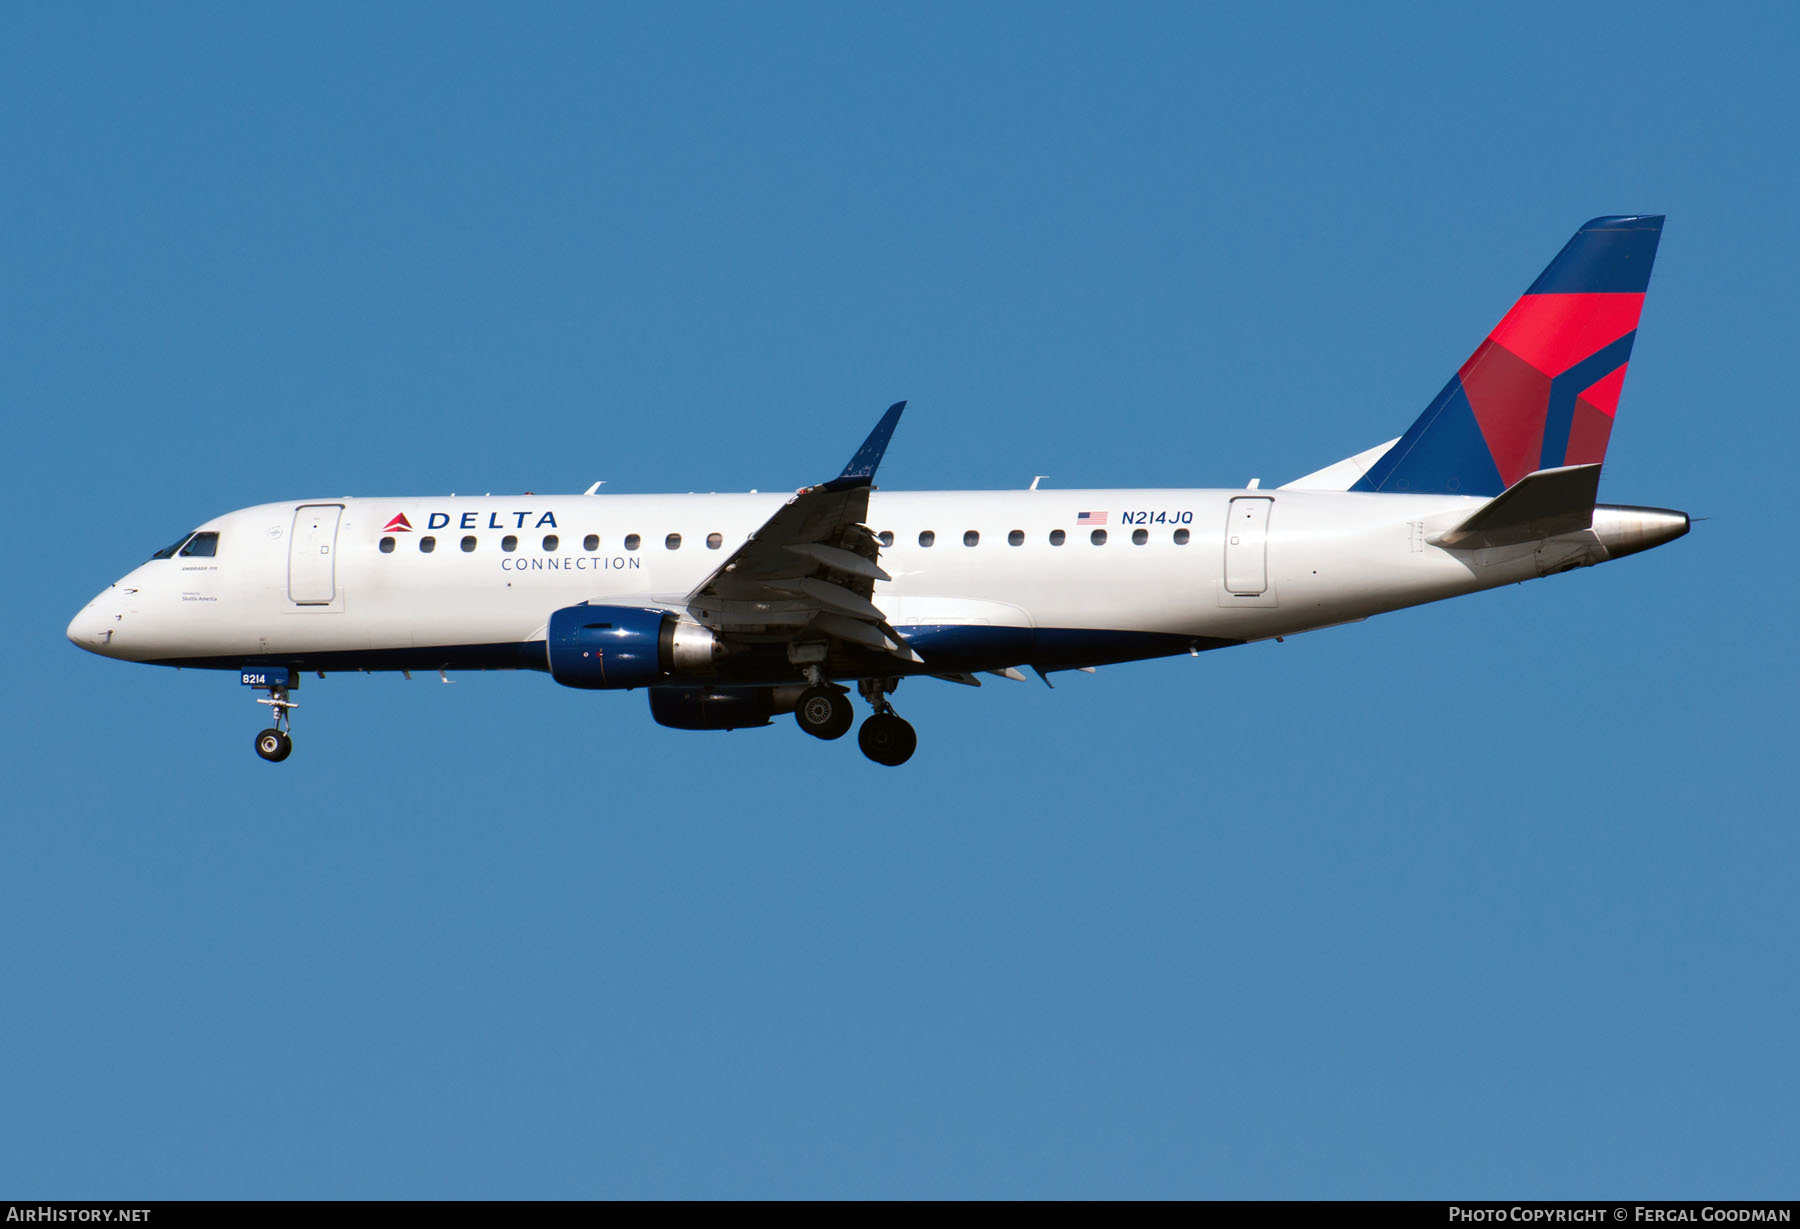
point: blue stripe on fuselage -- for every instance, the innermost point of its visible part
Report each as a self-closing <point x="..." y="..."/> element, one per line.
<point x="946" y="648"/>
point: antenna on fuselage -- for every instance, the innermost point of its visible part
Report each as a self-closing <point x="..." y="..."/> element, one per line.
<point x="1037" y="480"/>
<point x="595" y="489"/>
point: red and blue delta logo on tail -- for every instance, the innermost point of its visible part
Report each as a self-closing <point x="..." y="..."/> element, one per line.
<point x="1542" y="390"/>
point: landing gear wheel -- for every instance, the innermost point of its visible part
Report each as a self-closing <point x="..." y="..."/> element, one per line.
<point x="824" y="712"/>
<point x="887" y="739"/>
<point x="273" y="744"/>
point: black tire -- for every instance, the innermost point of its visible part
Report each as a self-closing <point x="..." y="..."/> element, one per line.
<point x="274" y="746"/>
<point x="887" y="739"/>
<point x="824" y="712"/>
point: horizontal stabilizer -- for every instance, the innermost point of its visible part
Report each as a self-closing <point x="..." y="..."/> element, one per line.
<point x="1539" y="505"/>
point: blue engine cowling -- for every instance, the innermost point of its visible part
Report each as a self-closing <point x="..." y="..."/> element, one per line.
<point x="719" y="708"/>
<point x="626" y="646"/>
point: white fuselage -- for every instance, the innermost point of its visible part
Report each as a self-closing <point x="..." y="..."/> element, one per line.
<point x="336" y="584"/>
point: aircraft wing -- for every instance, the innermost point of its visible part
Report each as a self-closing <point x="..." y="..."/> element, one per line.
<point x="811" y="568"/>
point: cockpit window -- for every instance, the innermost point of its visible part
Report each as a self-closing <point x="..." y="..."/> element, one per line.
<point x="168" y="552"/>
<point x="201" y="546"/>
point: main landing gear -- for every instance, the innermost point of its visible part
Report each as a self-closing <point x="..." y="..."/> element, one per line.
<point x="886" y="737"/>
<point x="275" y="743"/>
<point x="824" y="711"/>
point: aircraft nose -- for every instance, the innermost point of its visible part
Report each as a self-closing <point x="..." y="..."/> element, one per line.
<point x="92" y="629"/>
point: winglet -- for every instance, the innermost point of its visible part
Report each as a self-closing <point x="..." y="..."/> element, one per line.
<point x="861" y="470"/>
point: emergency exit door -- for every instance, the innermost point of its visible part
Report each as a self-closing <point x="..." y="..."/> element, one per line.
<point x="1247" y="546"/>
<point x="312" y="555"/>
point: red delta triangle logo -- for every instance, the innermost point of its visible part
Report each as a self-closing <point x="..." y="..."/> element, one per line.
<point x="398" y="523"/>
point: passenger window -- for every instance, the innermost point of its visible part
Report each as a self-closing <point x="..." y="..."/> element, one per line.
<point x="673" y="541"/>
<point x="971" y="538"/>
<point x="550" y="541"/>
<point x="387" y="546"/>
<point x="926" y="537"/>
<point x="427" y="544"/>
<point x="632" y="541"/>
<point x="201" y="546"/>
<point x="591" y="542"/>
<point x="1181" y="537"/>
<point x="886" y="537"/>
<point x="468" y="544"/>
<point x="509" y="543"/>
<point x="1098" y="537"/>
<point x="1016" y="538"/>
<point x="1058" y="537"/>
<point x="714" y="541"/>
<point x="1139" y="536"/>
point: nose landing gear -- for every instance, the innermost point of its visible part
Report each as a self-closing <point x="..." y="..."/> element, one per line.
<point x="275" y="743"/>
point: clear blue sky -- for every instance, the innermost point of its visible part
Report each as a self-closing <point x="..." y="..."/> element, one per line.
<point x="1493" y="898"/>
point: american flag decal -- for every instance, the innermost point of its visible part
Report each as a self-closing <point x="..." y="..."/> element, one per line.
<point x="1090" y="518"/>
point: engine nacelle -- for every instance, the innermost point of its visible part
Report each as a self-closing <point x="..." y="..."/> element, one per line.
<point x="720" y="708"/>
<point x="597" y="647"/>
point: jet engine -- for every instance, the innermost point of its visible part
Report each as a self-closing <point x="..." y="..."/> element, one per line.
<point x="606" y="647"/>
<point x="720" y="708"/>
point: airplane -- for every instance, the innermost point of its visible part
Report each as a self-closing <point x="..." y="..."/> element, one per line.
<point x="730" y="610"/>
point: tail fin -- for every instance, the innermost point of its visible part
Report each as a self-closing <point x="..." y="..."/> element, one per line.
<point x="1541" y="391"/>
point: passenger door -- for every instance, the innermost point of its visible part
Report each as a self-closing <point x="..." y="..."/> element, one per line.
<point x="312" y="555"/>
<point x="1247" y="546"/>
